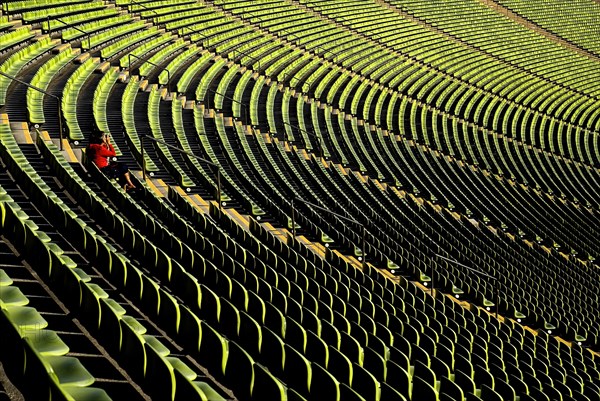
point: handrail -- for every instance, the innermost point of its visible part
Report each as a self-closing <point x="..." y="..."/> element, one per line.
<point x="244" y="105"/>
<point x="323" y="209"/>
<point x="214" y="165"/>
<point x="314" y="135"/>
<point x="478" y="272"/>
<point x="71" y="26"/>
<point x="195" y="32"/>
<point x="151" y="63"/>
<point x="58" y="101"/>
<point x="235" y="49"/>
<point x="143" y="6"/>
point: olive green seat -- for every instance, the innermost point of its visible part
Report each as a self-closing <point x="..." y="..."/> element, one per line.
<point x="46" y="342"/>
<point x="5" y="280"/>
<point x="69" y="371"/>
<point x="12" y="296"/>
<point x="25" y="318"/>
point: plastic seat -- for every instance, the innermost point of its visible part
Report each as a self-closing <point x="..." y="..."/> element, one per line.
<point x="297" y="371"/>
<point x="346" y="393"/>
<point x="273" y="354"/>
<point x="160" y="376"/>
<point x="400" y="357"/>
<point x="25" y="317"/>
<point x="266" y="386"/>
<point x="323" y="385"/>
<point x="295" y="335"/>
<point x="292" y="395"/>
<point x="84" y="393"/>
<point x="229" y="320"/>
<point x="316" y="349"/>
<point x="488" y="394"/>
<point x="188" y="389"/>
<point x="5" y="280"/>
<point x="250" y="334"/>
<point x="422" y="390"/>
<point x="375" y="364"/>
<point x="214" y="349"/>
<point x="365" y="384"/>
<point x="340" y="366"/>
<point x="69" y="371"/>
<point x="483" y="376"/>
<point x="464" y="381"/>
<point x="12" y="296"/>
<point x="210" y="305"/>
<point x="239" y="371"/>
<point x="389" y="393"/>
<point x="450" y="389"/>
<point x="274" y="319"/>
<point x="330" y="334"/>
<point x="46" y="342"/>
<point x="351" y="348"/>
<point x="190" y="332"/>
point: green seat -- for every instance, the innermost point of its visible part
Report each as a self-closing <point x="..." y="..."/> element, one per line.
<point x="340" y="366"/>
<point x="187" y="390"/>
<point x="213" y="352"/>
<point x="211" y="393"/>
<point x="85" y="393"/>
<point x="46" y="342"/>
<point x="323" y="385"/>
<point x="239" y="371"/>
<point x="389" y="393"/>
<point x="134" y="324"/>
<point x="348" y="394"/>
<point x="115" y="306"/>
<point x="132" y="348"/>
<point x="297" y="372"/>
<point x="159" y="375"/>
<point x="292" y="395"/>
<point x="398" y="377"/>
<point x="273" y="354"/>
<point x="25" y="318"/>
<point x="182" y="368"/>
<point x="12" y="296"/>
<point x="4" y="279"/>
<point x="155" y="343"/>
<point x="69" y="371"/>
<point x="83" y="276"/>
<point x="266" y="386"/>
<point x="189" y="331"/>
<point x="422" y="390"/>
<point x="364" y="383"/>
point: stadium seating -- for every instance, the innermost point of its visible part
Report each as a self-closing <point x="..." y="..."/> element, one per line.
<point x="343" y="200"/>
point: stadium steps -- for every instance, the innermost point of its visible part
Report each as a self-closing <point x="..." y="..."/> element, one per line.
<point x="37" y="163"/>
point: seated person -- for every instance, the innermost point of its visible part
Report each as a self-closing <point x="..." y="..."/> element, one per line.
<point x="100" y="151"/>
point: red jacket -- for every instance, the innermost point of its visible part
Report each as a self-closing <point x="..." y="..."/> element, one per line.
<point x="99" y="154"/>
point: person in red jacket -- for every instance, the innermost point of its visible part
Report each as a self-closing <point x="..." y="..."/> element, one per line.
<point x="100" y="152"/>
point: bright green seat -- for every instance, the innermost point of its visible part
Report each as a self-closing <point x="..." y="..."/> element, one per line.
<point x="182" y="368"/>
<point x="210" y="392"/>
<point x="12" y="296"/>
<point x="4" y="279"/>
<point x="83" y="276"/>
<point x="134" y="324"/>
<point x="85" y="393"/>
<point x="159" y="347"/>
<point x="25" y="318"/>
<point x="69" y="371"/>
<point x="115" y="306"/>
<point x="46" y="342"/>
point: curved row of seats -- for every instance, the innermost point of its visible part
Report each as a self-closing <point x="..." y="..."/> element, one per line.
<point x="555" y="16"/>
<point x="296" y="326"/>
